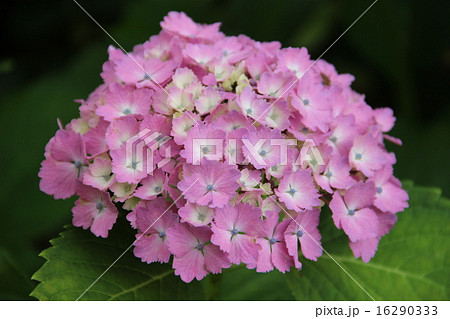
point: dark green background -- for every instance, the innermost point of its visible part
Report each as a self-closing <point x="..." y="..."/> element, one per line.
<point x="52" y="54"/>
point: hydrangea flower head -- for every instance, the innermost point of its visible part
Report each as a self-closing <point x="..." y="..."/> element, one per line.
<point x="223" y="150"/>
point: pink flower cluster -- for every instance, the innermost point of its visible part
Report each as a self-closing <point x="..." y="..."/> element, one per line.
<point x="254" y="203"/>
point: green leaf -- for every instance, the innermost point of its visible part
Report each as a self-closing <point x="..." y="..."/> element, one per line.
<point x="412" y="262"/>
<point x="77" y="258"/>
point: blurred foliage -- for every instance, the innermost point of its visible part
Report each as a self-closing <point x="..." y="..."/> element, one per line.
<point x="52" y="54"/>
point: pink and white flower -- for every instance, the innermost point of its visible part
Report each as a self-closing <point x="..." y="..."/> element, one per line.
<point x="194" y="254"/>
<point x="235" y="230"/>
<point x="273" y="251"/>
<point x="303" y="233"/>
<point x="64" y="165"/>
<point x="196" y="215"/>
<point x="353" y="214"/>
<point x="297" y="190"/>
<point x="152" y="221"/>
<point x="125" y="100"/>
<point x="94" y="210"/>
<point x="210" y="183"/>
